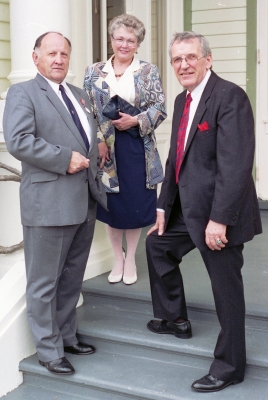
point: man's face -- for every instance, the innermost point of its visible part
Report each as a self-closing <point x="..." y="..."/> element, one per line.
<point x="189" y="73"/>
<point x="53" y="57"/>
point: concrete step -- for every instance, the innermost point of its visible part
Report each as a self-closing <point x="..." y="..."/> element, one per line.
<point x="140" y="293"/>
<point x="121" y="323"/>
<point x="133" y="375"/>
<point x="134" y="363"/>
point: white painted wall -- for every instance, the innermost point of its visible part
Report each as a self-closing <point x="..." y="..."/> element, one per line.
<point x="224" y="25"/>
<point x="262" y="101"/>
<point x="15" y="338"/>
<point x="4" y="45"/>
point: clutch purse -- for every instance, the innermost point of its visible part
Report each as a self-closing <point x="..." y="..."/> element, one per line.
<point x="116" y="104"/>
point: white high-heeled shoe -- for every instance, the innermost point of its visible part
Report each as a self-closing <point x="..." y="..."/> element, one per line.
<point x="115" y="278"/>
<point x="130" y="280"/>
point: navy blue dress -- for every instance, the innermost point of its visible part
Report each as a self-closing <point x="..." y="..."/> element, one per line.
<point x="134" y="206"/>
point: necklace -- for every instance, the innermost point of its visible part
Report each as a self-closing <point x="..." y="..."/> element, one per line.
<point x="116" y="75"/>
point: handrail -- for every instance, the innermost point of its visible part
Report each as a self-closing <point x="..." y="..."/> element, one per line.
<point x="16" y="177"/>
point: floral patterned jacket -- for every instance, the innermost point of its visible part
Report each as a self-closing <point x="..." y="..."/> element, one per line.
<point x="149" y="98"/>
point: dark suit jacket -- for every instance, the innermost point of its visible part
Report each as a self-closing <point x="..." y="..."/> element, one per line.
<point x="40" y="132"/>
<point x="215" y="180"/>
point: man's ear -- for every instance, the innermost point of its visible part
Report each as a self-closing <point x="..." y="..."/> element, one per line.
<point x="35" y="58"/>
<point x="208" y="62"/>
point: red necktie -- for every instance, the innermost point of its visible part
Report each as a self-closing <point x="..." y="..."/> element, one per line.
<point x="181" y="134"/>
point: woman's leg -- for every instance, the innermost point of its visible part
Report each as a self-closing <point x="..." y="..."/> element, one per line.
<point x="116" y="238"/>
<point x="132" y="238"/>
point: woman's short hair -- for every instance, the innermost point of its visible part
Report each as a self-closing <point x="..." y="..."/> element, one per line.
<point x="188" y="35"/>
<point x="129" y="22"/>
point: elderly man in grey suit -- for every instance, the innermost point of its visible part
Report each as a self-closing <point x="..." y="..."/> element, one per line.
<point x="49" y="127"/>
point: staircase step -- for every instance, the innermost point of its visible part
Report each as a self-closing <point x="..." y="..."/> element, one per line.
<point x="140" y="293"/>
<point x="109" y="375"/>
<point x="196" y="280"/>
<point x="133" y="363"/>
<point x="122" y="323"/>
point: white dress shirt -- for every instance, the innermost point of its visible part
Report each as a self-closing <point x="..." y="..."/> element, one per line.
<point x="196" y="96"/>
<point x="82" y="116"/>
<point x="124" y="87"/>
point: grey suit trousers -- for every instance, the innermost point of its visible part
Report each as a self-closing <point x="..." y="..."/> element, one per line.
<point x="56" y="259"/>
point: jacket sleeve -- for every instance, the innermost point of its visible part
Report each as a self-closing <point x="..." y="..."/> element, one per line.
<point x="88" y="87"/>
<point x="152" y="100"/>
<point x="19" y="125"/>
<point x="234" y="156"/>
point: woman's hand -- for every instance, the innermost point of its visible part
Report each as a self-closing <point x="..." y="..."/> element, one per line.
<point x="104" y="153"/>
<point x="125" y="122"/>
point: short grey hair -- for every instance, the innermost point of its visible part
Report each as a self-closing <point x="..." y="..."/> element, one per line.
<point x="187" y="36"/>
<point x="129" y="22"/>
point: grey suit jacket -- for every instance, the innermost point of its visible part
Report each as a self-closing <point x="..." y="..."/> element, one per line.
<point x="40" y="133"/>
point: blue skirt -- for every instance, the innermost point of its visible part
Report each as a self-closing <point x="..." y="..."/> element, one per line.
<point x="134" y="206"/>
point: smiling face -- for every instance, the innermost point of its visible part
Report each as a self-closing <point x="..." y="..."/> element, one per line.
<point x="190" y="74"/>
<point x="53" y="57"/>
<point x="124" y="44"/>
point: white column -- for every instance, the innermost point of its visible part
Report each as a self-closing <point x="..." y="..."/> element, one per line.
<point x="30" y="19"/>
<point x="82" y="40"/>
<point x="142" y="10"/>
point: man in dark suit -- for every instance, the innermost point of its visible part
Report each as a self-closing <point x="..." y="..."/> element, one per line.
<point x="49" y="127"/>
<point x="207" y="200"/>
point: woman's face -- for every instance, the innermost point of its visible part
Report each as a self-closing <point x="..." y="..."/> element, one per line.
<point x="124" y="44"/>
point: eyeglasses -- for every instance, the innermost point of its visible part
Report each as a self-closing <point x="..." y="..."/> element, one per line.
<point x="129" y="42"/>
<point x="189" y="59"/>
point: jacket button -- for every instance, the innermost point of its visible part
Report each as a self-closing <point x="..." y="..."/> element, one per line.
<point x="86" y="180"/>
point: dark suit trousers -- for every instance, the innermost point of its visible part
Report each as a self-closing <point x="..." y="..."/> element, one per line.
<point x="56" y="258"/>
<point x="164" y="254"/>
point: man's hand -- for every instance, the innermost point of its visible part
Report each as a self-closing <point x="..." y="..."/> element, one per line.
<point x="159" y="225"/>
<point x="215" y="235"/>
<point x="104" y="153"/>
<point x="125" y="122"/>
<point x="77" y="163"/>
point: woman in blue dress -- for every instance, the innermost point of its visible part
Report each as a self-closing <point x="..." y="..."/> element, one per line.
<point x="131" y="166"/>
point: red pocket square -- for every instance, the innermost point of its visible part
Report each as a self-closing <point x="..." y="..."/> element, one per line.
<point x="203" y="127"/>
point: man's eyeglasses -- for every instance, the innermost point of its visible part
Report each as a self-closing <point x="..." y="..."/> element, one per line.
<point x="129" y="42"/>
<point x="189" y="59"/>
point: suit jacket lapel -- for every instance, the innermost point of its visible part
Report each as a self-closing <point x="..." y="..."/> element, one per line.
<point x="89" y="116"/>
<point x="201" y="109"/>
<point x="57" y="103"/>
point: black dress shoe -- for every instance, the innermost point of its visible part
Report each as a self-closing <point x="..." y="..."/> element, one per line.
<point x="211" y="384"/>
<point x="80" y="349"/>
<point x="60" y="366"/>
<point x="182" y="330"/>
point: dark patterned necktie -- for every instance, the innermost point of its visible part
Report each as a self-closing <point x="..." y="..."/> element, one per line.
<point x="181" y="135"/>
<point x="74" y="115"/>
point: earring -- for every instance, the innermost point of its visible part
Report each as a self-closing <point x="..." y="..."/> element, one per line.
<point x="136" y="52"/>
